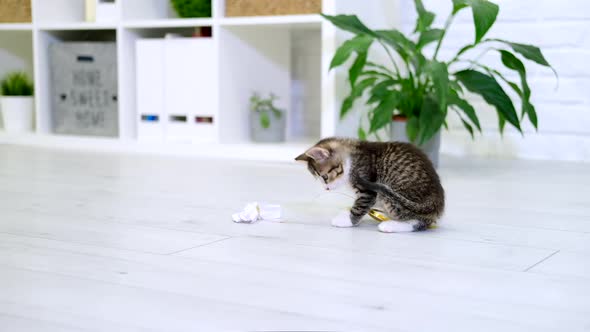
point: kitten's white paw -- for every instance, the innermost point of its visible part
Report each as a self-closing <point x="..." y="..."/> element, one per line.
<point x="342" y="220"/>
<point x="396" y="226"/>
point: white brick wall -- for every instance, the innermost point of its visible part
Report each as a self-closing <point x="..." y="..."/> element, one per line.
<point x="562" y="30"/>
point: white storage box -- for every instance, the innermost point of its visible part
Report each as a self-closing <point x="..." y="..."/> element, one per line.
<point x="84" y="88"/>
<point x="177" y="89"/>
<point x="102" y="10"/>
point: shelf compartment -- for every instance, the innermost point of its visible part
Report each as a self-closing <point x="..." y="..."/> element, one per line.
<point x="16" y="54"/>
<point x="277" y="63"/>
<point x="151" y="10"/>
<point x="59" y="11"/>
<point x="132" y="124"/>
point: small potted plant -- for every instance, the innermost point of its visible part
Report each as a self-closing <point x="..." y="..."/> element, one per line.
<point x="16" y="102"/>
<point x="267" y="122"/>
<point x="192" y="8"/>
<point x="418" y="90"/>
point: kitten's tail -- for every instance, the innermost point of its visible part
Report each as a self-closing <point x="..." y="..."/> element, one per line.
<point x="385" y="190"/>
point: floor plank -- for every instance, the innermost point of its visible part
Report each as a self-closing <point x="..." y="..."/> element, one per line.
<point x="109" y="234"/>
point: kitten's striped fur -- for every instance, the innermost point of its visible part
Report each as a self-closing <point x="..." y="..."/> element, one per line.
<point x="395" y="175"/>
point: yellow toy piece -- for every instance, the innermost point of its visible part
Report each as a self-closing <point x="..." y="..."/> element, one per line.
<point x="380" y="216"/>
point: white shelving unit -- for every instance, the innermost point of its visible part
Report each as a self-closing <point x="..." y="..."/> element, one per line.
<point x="288" y="55"/>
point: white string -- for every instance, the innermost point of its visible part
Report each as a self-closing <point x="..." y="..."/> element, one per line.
<point x="315" y="198"/>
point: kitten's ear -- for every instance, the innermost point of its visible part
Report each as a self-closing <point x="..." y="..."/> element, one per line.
<point x="318" y="154"/>
<point x="302" y="157"/>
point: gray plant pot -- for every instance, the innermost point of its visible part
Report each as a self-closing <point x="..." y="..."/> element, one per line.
<point x="273" y="134"/>
<point x="431" y="147"/>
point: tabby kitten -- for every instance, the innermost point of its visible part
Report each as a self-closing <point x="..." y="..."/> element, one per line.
<point x="395" y="176"/>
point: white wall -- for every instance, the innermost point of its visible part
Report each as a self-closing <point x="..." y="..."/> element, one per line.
<point x="562" y="30"/>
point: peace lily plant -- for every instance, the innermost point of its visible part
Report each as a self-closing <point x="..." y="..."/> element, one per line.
<point x="422" y="88"/>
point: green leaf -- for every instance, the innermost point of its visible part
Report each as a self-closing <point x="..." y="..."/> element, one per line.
<point x="428" y="37"/>
<point x="412" y="128"/>
<point x="465" y="49"/>
<point x="380" y="91"/>
<point x="264" y="120"/>
<point x="468" y="127"/>
<point x="190" y="9"/>
<point x="491" y="91"/>
<point x="361" y="134"/>
<point x="440" y="78"/>
<point x="431" y="119"/>
<point x="383" y="113"/>
<point x="458" y="5"/>
<point x="276" y="112"/>
<point x="359" y="44"/>
<point x="512" y="62"/>
<point x="501" y="123"/>
<point x="374" y="73"/>
<point x="425" y="17"/>
<point x="16" y="84"/>
<point x="495" y="73"/>
<point x="514" y="86"/>
<point x="378" y="66"/>
<point x="349" y="23"/>
<point x="455" y="86"/>
<point x="398" y="41"/>
<point x="530" y="52"/>
<point x="464" y="106"/>
<point x="346" y="105"/>
<point x="484" y="15"/>
<point x="357" y="68"/>
<point x="528" y="108"/>
<point x="532" y="113"/>
<point x="355" y="93"/>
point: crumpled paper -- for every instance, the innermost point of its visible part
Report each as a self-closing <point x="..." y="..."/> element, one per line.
<point x="254" y="212"/>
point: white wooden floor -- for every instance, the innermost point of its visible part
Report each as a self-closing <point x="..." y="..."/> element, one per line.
<point x="103" y="242"/>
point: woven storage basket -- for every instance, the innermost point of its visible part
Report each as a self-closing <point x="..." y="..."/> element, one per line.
<point x="271" y="7"/>
<point x="15" y="11"/>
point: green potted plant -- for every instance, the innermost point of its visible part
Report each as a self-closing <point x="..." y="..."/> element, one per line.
<point x="419" y="90"/>
<point x="16" y="102"/>
<point x="267" y="122"/>
<point x="192" y="8"/>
